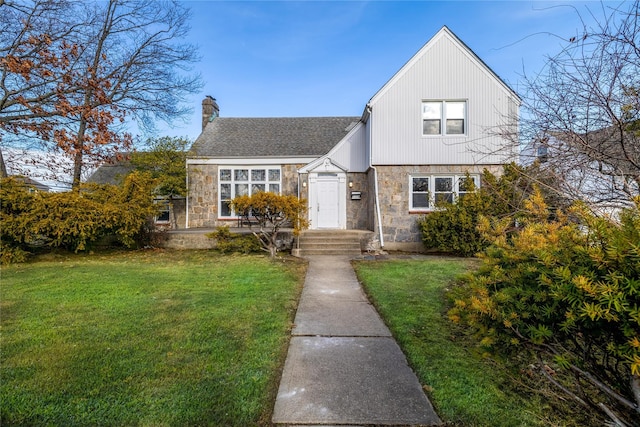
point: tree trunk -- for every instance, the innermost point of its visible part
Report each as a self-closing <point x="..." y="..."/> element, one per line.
<point x="635" y="388"/>
<point x="3" y="167"/>
<point x="78" y="157"/>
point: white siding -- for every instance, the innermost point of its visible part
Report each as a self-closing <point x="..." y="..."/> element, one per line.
<point x="351" y="152"/>
<point x="443" y="70"/>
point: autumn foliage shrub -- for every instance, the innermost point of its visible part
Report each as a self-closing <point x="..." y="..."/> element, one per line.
<point x="73" y="220"/>
<point x="453" y="227"/>
<point x="563" y="289"/>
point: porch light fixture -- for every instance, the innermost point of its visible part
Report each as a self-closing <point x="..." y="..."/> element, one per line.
<point x="350" y="184"/>
<point x="304" y="184"/>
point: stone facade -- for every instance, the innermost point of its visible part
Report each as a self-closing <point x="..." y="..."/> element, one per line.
<point x="400" y="229"/>
<point x="202" y="203"/>
<point x="358" y="217"/>
<point x="202" y="206"/>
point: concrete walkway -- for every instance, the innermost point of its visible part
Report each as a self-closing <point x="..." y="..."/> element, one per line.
<point x="343" y="365"/>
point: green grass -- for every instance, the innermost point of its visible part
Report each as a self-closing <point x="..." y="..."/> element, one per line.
<point x="465" y="389"/>
<point x="144" y="338"/>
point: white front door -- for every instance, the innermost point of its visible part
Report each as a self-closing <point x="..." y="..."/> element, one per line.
<point x="328" y="201"/>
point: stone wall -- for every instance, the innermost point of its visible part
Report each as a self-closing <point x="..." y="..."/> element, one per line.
<point x="197" y="239"/>
<point x="399" y="226"/>
<point x="203" y="193"/>
<point x="358" y="211"/>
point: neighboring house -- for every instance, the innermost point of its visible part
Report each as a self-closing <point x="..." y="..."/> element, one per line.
<point x="418" y="136"/>
<point x="600" y="167"/>
<point x="32" y="184"/>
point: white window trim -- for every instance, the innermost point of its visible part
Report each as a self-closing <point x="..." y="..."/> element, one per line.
<point x="249" y="182"/>
<point x="432" y="183"/>
<point x="443" y="118"/>
<point x="165" y="202"/>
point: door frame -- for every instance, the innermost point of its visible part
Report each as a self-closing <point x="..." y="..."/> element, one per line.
<point x="341" y="197"/>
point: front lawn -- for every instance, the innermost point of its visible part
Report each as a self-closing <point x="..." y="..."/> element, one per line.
<point x="465" y="389"/>
<point x="144" y="338"/>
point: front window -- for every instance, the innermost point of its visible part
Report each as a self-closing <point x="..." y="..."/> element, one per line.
<point x="429" y="190"/>
<point x="240" y="181"/>
<point x="450" y="113"/>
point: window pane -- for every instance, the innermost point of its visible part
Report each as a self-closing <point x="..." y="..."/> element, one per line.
<point x="163" y="216"/>
<point x="225" y="174"/>
<point x="256" y="188"/>
<point x="455" y="126"/>
<point x="431" y="127"/>
<point x="241" y="174"/>
<point x="455" y="110"/>
<point x="444" y="184"/>
<point x="274" y="174"/>
<point x="242" y="189"/>
<point x="274" y="188"/>
<point x="225" y="209"/>
<point x="432" y="110"/>
<point x="225" y="191"/>
<point x="258" y="174"/>
<point x="420" y="200"/>
<point x="421" y="184"/>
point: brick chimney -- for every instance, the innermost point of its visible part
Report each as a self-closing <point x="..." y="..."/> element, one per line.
<point x="210" y="110"/>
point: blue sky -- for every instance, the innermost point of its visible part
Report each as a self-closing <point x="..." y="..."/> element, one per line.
<point x="327" y="58"/>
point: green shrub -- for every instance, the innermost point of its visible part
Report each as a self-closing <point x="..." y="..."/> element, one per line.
<point x="453" y="228"/>
<point x="565" y="291"/>
<point x="228" y="242"/>
<point x="73" y="220"/>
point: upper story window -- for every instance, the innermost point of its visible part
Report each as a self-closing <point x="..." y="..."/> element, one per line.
<point x="240" y="181"/>
<point x="429" y="190"/>
<point x="444" y="117"/>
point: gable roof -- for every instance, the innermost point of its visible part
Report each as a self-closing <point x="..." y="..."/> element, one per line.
<point x="611" y="145"/>
<point x="271" y="137"/>
<point x="29" y="182"/>
<point x="443" y="32"/>
<point x="111" y="172"/>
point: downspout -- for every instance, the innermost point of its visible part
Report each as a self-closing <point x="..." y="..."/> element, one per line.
<point x="375" y="180"/>
<point x="299" y="183"/>
<point x="186" y="204"/>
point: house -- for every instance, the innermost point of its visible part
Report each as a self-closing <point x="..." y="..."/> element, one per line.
<point x="413" y="145"/>
<point x="171" y="211"/>
<point x="32" y="184"/>
<point x="600" y="167"/>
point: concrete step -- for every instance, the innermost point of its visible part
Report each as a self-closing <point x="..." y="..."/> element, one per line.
<point x="329" y="242"/>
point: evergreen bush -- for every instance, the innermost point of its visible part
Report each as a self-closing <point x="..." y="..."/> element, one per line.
<point x="565" y="290"/>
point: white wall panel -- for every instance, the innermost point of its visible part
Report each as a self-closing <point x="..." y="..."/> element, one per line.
<point x="351" y="153"/>
<point x="443" y="70"/>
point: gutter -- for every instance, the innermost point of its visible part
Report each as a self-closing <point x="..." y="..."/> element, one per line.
<point x="365" y="117"/>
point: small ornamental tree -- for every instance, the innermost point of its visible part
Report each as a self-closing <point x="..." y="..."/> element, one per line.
<point x="272" y="212"/>
<point x="565" y="291"/>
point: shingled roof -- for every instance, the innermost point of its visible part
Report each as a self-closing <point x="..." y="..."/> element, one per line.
<point x="112" y="172"/>
<point x="271" y="137"/>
